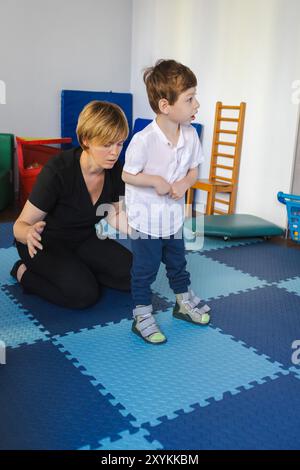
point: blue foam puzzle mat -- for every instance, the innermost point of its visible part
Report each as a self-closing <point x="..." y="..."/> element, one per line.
<point x="82" y="380"/>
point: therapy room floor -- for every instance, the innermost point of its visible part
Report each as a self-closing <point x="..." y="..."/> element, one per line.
<point x="82" y="380"/>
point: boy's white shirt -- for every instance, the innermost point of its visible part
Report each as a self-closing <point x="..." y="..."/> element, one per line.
<point x="150" y="152"/>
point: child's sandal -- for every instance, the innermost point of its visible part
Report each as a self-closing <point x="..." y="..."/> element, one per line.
<point x="145" y="326"/>
<point x="188" y="307"/>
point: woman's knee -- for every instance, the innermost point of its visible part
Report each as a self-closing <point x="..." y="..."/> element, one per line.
<point x="82" y="300"/>
<point x="82" y="295"/>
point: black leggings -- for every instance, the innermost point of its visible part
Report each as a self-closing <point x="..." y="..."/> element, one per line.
<point x="71" y="275"/>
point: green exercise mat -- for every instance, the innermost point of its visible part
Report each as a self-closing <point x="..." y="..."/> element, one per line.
<point x="239" y="226"/>
<point x="6" y="169"/>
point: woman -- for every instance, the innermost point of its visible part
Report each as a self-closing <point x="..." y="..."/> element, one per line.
<point x="62" y="259"/>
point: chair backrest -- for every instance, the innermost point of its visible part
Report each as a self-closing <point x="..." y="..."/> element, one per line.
<point x="228" y="133"/>
<point x="140" y="124"/>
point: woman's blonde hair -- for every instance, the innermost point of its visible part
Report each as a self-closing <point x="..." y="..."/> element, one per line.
<point x="101" y="122"/>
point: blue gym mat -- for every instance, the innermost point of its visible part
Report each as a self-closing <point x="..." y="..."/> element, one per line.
<point x="73" y="101"/>
<point x="82" y="380"/>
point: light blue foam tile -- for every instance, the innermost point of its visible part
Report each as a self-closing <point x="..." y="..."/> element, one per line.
<point x="291" y="285"/>
<point x="196" y="364"/>
<point x="296" y="371"/>
<point x="8" y="257"/>
<point x="128" y="441"/>
<point x="218" y="243"/>
<point x="16" y="327"/>
<point x="209" y="278"/>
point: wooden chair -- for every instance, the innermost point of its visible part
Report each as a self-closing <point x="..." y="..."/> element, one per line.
<point x="223" y="178"/>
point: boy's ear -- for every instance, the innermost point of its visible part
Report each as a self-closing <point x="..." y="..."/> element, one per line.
<point x="163" y="105"/>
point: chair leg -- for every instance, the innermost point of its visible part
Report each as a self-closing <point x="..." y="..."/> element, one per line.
<point x="232" y="198"/>
<point x="189" y="202"/>
<point x="209" y="203"/>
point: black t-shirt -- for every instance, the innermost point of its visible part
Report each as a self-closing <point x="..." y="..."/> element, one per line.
<point x="60" y="190"/>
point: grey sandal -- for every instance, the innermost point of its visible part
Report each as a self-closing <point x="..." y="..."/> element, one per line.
<point x="145" y="326"/>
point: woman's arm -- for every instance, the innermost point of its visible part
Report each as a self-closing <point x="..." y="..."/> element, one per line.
<point x="29" y="226"/>
<point x="117" y="218"/>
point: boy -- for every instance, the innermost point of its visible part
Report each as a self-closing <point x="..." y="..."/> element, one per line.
<point x="161" y="164"/>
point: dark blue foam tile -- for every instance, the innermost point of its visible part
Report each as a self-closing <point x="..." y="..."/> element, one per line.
<point x="264" y="260"/>
<point x="268" y="319"/>
<point x="113" y="306"/>
<point x="6" y="235"/>
<point x="47" y="403"/>
<point x="264" y="417"/>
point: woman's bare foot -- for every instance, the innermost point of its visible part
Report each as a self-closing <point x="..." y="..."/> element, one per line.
<point x="21" y="270"/>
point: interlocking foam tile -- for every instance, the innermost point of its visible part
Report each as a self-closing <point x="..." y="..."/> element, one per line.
<point x="8" y="258"/>
<point x="46" y="403"/>
<point x="6" y="235"/>
<point x="209" y="278"/>
<point x="112" y="307"/>
<point x="267" y="319"/>
<point x="196" y="363"/>
<point x="291" y="285"/>
<point x="264" y="260"/>
<point x="60" y="320"/>
<point x="128" y="442"/>
<point x="211" y="243"/>
<point x="16" y="325"/>
<point x="264" y="417"/>
<point x="296" y="371"/>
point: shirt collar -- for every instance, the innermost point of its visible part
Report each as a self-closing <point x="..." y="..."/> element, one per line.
<point x="163" y="137"/>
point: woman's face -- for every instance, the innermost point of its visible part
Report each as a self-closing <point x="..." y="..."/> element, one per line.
<point x="105" y="156"/>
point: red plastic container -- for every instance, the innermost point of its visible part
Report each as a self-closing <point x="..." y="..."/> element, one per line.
<point x="33" y="154"/>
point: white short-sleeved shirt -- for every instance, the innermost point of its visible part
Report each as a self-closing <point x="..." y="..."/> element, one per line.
<point x="150" y="152"/>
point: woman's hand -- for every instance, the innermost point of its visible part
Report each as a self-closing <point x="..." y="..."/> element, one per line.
<point x="33" y="237"/>
<point x="161" y="186"/>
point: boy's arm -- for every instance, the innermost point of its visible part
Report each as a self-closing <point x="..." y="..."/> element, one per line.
<point x="140" y="179"/>
<point x="191" y="177"/>
<point x="180" y="187"/>
<point x="157" y="182"/>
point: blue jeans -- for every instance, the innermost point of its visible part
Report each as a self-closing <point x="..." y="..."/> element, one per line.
<point x="147" y="256"/>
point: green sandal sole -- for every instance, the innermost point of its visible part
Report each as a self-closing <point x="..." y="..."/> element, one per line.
<point x="185" y="317"/>
<point x="137" y="332"/>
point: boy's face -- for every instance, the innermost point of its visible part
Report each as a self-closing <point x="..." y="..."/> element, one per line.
<point x="183" y="111"/>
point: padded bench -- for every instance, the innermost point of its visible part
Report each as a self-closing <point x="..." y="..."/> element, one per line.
<point x="239" y="226"/>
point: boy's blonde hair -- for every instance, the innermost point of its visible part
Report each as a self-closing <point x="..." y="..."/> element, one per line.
<point x="101" y="122"/>
<point x="167" y="79"/>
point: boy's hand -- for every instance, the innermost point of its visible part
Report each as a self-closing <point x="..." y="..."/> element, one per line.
<point x="161" y="186"/>
<point x="178" y="189"/>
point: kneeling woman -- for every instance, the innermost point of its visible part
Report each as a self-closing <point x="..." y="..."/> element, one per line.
<point x="62" y="259"/>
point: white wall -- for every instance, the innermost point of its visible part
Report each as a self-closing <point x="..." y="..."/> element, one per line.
<point x="49" y="45"/>
<point x="240" y="50"/>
